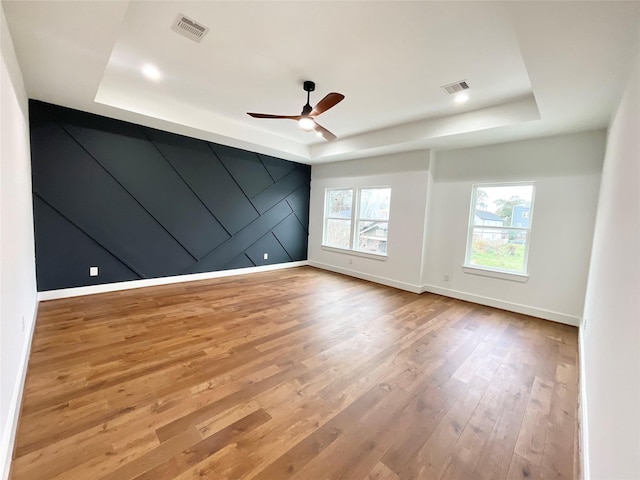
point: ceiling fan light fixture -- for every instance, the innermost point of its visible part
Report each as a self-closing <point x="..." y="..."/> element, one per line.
<point x="306" y="123"/>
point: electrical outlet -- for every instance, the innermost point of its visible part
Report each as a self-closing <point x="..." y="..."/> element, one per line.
<point x="446" y="278"/>
<point x="93" y="271"/>
<point x="266" y="256"/>
<point x="350" y="261"/>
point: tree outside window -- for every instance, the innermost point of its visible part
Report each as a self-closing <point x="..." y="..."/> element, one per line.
<point x="337" y="222"/>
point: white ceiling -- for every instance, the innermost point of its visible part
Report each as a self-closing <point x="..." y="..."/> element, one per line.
<point x="535" y="68"/>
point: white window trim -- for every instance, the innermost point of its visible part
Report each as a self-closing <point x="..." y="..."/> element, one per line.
<point x="468" y="267"/>
<point x="357" y="253"/>
<point x="495" y="273"/>
<point x="355" y="220"/>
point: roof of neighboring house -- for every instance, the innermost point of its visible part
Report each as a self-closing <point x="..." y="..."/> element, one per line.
<point x="484" y="215"/>
<point x="382" y="224"/>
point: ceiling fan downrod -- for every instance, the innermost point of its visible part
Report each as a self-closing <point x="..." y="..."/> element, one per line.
<point x="309" y="87"/>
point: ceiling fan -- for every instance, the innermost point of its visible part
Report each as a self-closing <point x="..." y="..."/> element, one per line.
<point x="306" y="119"/>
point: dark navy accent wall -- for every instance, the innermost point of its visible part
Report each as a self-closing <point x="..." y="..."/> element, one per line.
<point x="142" y="203"/>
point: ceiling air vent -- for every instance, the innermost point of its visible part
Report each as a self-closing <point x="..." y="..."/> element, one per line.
<point x="189" y="28"/>
<point x="456" y="87"/>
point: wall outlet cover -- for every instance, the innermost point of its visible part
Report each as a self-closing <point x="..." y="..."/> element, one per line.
<point x="93" y="271"/>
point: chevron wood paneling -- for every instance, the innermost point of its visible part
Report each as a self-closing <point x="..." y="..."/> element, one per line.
<point x="143" y="203"/>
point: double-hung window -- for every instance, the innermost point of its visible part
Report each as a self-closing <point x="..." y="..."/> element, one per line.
<point x="500" y="227"/>
<point x="338" y="217"/>
<point x="357" y="219"/>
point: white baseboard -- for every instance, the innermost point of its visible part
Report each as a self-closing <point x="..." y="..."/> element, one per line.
<point x="469" y="297"/>
<point x="503" y="305"/>
<point x="583" y="412"/>
<point x="366" y="276"/>
<point x="10" y="428"/>
<point x="152" y="282"/>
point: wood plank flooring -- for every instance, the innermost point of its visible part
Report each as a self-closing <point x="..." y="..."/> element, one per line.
<point x="294" y="374"/>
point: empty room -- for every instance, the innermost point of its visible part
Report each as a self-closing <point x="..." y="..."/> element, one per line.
<point x="320" y="240"/>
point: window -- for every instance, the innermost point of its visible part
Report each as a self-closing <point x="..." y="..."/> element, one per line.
<point x="500" y="227"/>
<point x="373" y="220"/>
<point x="337" y="218"/>
<point x="357" y="219"/>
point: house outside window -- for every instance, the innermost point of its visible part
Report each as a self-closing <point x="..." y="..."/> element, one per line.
<point x="520" y="217"/>
<point x="357" y="219"/>
<point x="500" y="227"/>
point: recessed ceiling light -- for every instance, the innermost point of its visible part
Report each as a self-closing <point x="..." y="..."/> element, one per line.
<point x="461" y="98"/>
<point x="151" y="72"/>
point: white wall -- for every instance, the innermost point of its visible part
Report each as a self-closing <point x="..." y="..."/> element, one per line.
<point x="566" y="170"/>
<point x="407" y="175"/>
<point x="610" y="334"/>
<point x="17" y="270"/>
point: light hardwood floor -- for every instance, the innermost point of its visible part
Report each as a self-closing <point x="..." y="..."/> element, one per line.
<point x="294" y="374"/>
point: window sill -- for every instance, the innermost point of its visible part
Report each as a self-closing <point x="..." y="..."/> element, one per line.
<point x="356" y="253"/>
<point x="485" y="272"/>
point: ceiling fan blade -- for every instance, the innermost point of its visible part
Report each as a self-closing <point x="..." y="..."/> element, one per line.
<point x="331" y="100"/>
<point x="324" y="132"/>
<point x="267" y="115"/>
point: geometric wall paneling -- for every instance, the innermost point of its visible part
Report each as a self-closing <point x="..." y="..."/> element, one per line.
<point x="277" y="168"/>
<point x="280" y="189"/>
<point x="242" y="240"/>
<point x="246" y="169"/>
<point x="78" y="187"/>
<point x="202" y="171"/>
<point x="299" y="203"/>
<point x="69" y="260"/>
<point x="293" y="237"/>
<point x="241" y="261"/>
<point x="269" y="244"/>
<point x="129" y="156"/>
<point x="142" y="203"/>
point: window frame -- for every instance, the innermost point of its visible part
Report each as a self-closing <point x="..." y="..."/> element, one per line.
<point x="496" y="272"/>
<point x="354" y="220"/>
<point x="327" y="217"/>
